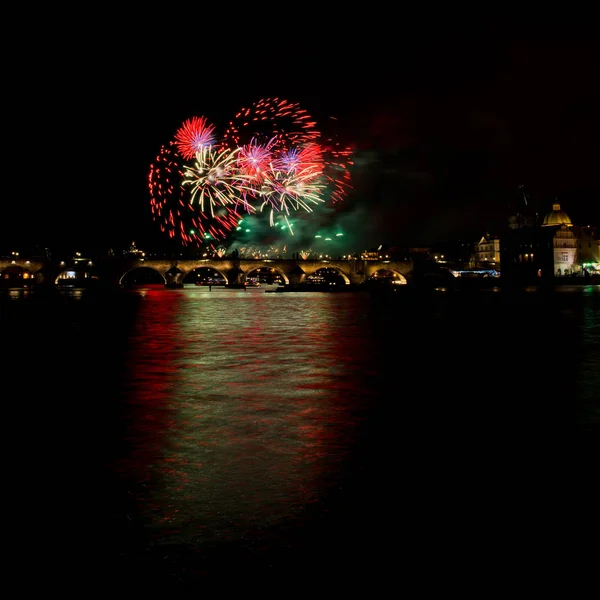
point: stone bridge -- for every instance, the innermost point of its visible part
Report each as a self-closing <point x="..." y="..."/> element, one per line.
<point x="174" y="271"/>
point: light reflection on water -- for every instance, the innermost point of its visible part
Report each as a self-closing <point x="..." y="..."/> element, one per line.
<point x="245" y="406"/>
<point x="188" y="420"/>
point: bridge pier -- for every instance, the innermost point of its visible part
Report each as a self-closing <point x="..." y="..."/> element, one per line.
<point x="235" y="276"/>
<point x="296" y="276"/>
<point x="174" y="278"/>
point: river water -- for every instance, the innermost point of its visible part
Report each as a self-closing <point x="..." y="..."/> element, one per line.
<point x="180" y="437"/>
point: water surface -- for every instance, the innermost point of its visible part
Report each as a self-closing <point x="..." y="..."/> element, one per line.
<point x="179" y="435"/>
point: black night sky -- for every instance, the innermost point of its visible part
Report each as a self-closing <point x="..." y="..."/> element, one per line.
<point x="445" y="122"/>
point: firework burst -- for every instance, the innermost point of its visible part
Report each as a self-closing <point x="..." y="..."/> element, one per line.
<point x="287" y="192"/>
<point x="270" y="118"/>
<point x="270" y="160"/>
<point x="172" y="210"/>
<point x="215" y="181"/>
<point x="302" y="159"/>
<point x="194" y="135"/>
<point x="253" y="162"/>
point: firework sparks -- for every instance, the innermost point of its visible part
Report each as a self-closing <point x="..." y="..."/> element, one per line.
<point x="338" y="161"/>
<point x="270" y="160"/>
<point x="194" y="135"/>
<point x="304" y="159"/>
<point x="253" y="163"/>
<point x="215" y="180"/>
<point x="172" y="210"/>
<point x="285" y="192"/>
<point x="272" y="118"/>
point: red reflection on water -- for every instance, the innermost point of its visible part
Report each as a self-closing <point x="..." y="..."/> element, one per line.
<point x="243" y="409"/>
<point x="151" y="377"/>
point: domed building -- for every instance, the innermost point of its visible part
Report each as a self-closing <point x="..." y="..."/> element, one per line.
<point x="554" y="247"/>
<point x="564" y="240"/>
<point x="557" y="216"/>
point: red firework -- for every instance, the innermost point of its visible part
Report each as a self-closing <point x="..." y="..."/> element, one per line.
<point x="172" y="210"/>
<point x="193" y="135"/>
<point x="271" y="118"/>
<point x="254" y="159"/>
<point x="305" y="159"/>
<point x="280" y="162"/>
<point x="338" y="162"/>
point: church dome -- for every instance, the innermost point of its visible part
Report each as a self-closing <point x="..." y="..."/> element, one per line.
<point x="556" y="217"/>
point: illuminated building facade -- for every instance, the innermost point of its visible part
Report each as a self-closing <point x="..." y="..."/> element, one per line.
<point x="554" y="248"/>
<point x="564" y="242"/>
<point x="487" y="251"/>
<point x="588" y="250"/>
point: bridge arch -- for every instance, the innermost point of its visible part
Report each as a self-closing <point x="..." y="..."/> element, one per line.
<point x="327" y="274"/>
<point x="203" y="274"/>
<point x="142" y="274"/>
<point x="77" y="274"/>
<point x="16" y="275"/>
<point x="387" y="275"/>
<point x="227" y="269"/>
<point x="270" y="274"/>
